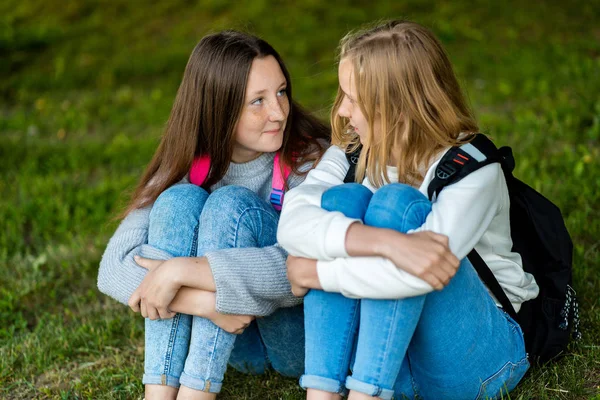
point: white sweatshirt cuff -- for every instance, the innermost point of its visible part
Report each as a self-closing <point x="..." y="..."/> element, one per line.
<point x="326" y="273"/>
<point x="335" y="238"/>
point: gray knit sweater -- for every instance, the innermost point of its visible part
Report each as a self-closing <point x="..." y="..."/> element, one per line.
<point x="250" y="281"/>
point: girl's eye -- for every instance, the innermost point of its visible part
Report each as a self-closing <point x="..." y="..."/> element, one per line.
<point x="258" y="101"/>
<point x="282" y="92"/>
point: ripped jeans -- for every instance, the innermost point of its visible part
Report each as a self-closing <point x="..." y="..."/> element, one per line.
<point x="449" y="344"/>
<point x="192" y="351"/>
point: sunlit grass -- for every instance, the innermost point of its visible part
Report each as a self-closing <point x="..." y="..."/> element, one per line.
<point x="85" y="90"/>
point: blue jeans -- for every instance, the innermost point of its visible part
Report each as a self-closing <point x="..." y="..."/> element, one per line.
<point x="192" y="351"/>
<point x="449" y="344"/>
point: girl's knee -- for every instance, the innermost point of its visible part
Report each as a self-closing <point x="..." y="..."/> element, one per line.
<point x="399" y="193"/>
<point x="351" y="199"/>
<point x="179" y="199"/>
<point x="398" y="206"/>
<point x="227" y="198"/>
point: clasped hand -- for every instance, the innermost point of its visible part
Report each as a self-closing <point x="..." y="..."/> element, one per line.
<point x="425" y="255"/>
<point x="157" y="290"/>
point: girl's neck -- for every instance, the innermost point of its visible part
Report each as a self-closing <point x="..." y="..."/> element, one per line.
<point x="245" y="157"/>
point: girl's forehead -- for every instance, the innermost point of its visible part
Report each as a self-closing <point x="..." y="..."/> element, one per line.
<point x="346" y="75"/>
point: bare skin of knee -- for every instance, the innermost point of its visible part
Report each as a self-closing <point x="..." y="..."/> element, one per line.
<point x="314" y="394"/>
<point x="160" y="392"/>
<point x="185" y="393"/>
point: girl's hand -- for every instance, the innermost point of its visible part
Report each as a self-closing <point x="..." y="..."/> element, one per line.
<point x="157" y="290"/>
<point x="230" y="322"/>
<point x="423" y="254"/>
<point x="302" y="274"/>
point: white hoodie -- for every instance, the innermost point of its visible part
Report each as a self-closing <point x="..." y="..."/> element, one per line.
<point x="473" y="213"/>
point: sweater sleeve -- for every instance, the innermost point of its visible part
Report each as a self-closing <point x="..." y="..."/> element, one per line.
<point x="119" y="275"/>
<point x="251" y="281"/>
<point x="369" y="277"/>
<point x="307" y="230"/>
<point x="464" y="210"/>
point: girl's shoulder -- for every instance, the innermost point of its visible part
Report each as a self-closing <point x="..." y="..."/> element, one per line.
<point x="487" y="176"/>
<point x="332" y="164"/>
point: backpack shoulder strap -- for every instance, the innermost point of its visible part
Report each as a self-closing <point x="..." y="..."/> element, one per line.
<point x="487" y="276"/>
<point x="200" y="169"/>
<point x="460" y="161"/>
<point x="280" y="176"/>
<point x="352" y="160"/>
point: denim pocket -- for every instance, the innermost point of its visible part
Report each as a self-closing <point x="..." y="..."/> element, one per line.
<point x="503" y="381"/>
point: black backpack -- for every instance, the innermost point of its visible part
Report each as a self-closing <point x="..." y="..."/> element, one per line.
<point x="539" y="235"/>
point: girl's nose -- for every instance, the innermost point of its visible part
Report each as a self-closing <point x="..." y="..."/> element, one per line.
<point x="344" y="109"/>
<point x="277" y="112"/>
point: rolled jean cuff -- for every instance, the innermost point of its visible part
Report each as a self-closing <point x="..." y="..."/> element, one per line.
<point x="321" y="383"/>
<point x="368" y="389"/>
<point x="200" y="384"/>
<point x="165" y="380"/>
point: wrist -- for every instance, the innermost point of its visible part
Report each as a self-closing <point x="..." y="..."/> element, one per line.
<point x="309" y="277"/>
<point x="386" y="241"/>
<point x="363" y="240"/>
<point x="178" y="270"/>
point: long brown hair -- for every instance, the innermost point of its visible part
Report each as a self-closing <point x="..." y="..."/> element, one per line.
<point x="206" y="111"/>
<point x="405" y="80"/>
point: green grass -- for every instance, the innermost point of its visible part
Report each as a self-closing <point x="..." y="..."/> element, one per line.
<point x="85" y="89"/>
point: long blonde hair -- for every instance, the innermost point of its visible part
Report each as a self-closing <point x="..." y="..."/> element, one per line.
<point x="404" y="79"/>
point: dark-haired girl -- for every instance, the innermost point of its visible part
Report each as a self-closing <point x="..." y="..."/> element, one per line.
<point x="234" y="108"/>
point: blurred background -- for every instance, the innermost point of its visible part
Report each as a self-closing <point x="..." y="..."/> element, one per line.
<point x="86" y="88"/>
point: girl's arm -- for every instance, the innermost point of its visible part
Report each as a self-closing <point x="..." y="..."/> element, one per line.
<point x="202" y="303"/>
<point x="251" y="281"/>
<point x="119" y="275"/>
<point x="307" y="230"/>
<point x="247" y="281"/>
<point x="463" y="212"/>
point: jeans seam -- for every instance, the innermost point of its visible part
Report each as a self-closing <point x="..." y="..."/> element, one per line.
<point x="239" y="219"/>
<point x="516" y="329"/>
<point x="385" y="352"/>
<point x="212" y="356"/>
<point x="407" y="211"/>
<point x="388" y="344"/>
<point x="509" y="364"/>
<point x="171" y="344"/>
<point x="194" y="249"/>
<point x="350" y="338"/>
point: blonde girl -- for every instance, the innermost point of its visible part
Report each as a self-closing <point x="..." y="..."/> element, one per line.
<point x="404" y="317"/>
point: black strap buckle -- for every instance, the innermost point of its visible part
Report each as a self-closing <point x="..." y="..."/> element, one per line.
<point x="445" y="171"/>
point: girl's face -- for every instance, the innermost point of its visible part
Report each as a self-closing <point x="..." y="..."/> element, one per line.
<point x="349" y="107"/>
<point x="264" y="113"/>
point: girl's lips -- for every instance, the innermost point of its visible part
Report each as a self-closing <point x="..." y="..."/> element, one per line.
<point x="273" y="131"/>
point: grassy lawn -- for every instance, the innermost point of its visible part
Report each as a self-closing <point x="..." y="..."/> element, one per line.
<point x="85" y="90"/>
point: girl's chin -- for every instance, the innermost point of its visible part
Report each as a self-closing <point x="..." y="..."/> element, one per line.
<point x="272" y="146"/>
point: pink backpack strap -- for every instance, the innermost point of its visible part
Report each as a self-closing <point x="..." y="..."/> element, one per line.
<point x="200" y="169"/>
<point x="278" y="185"/>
